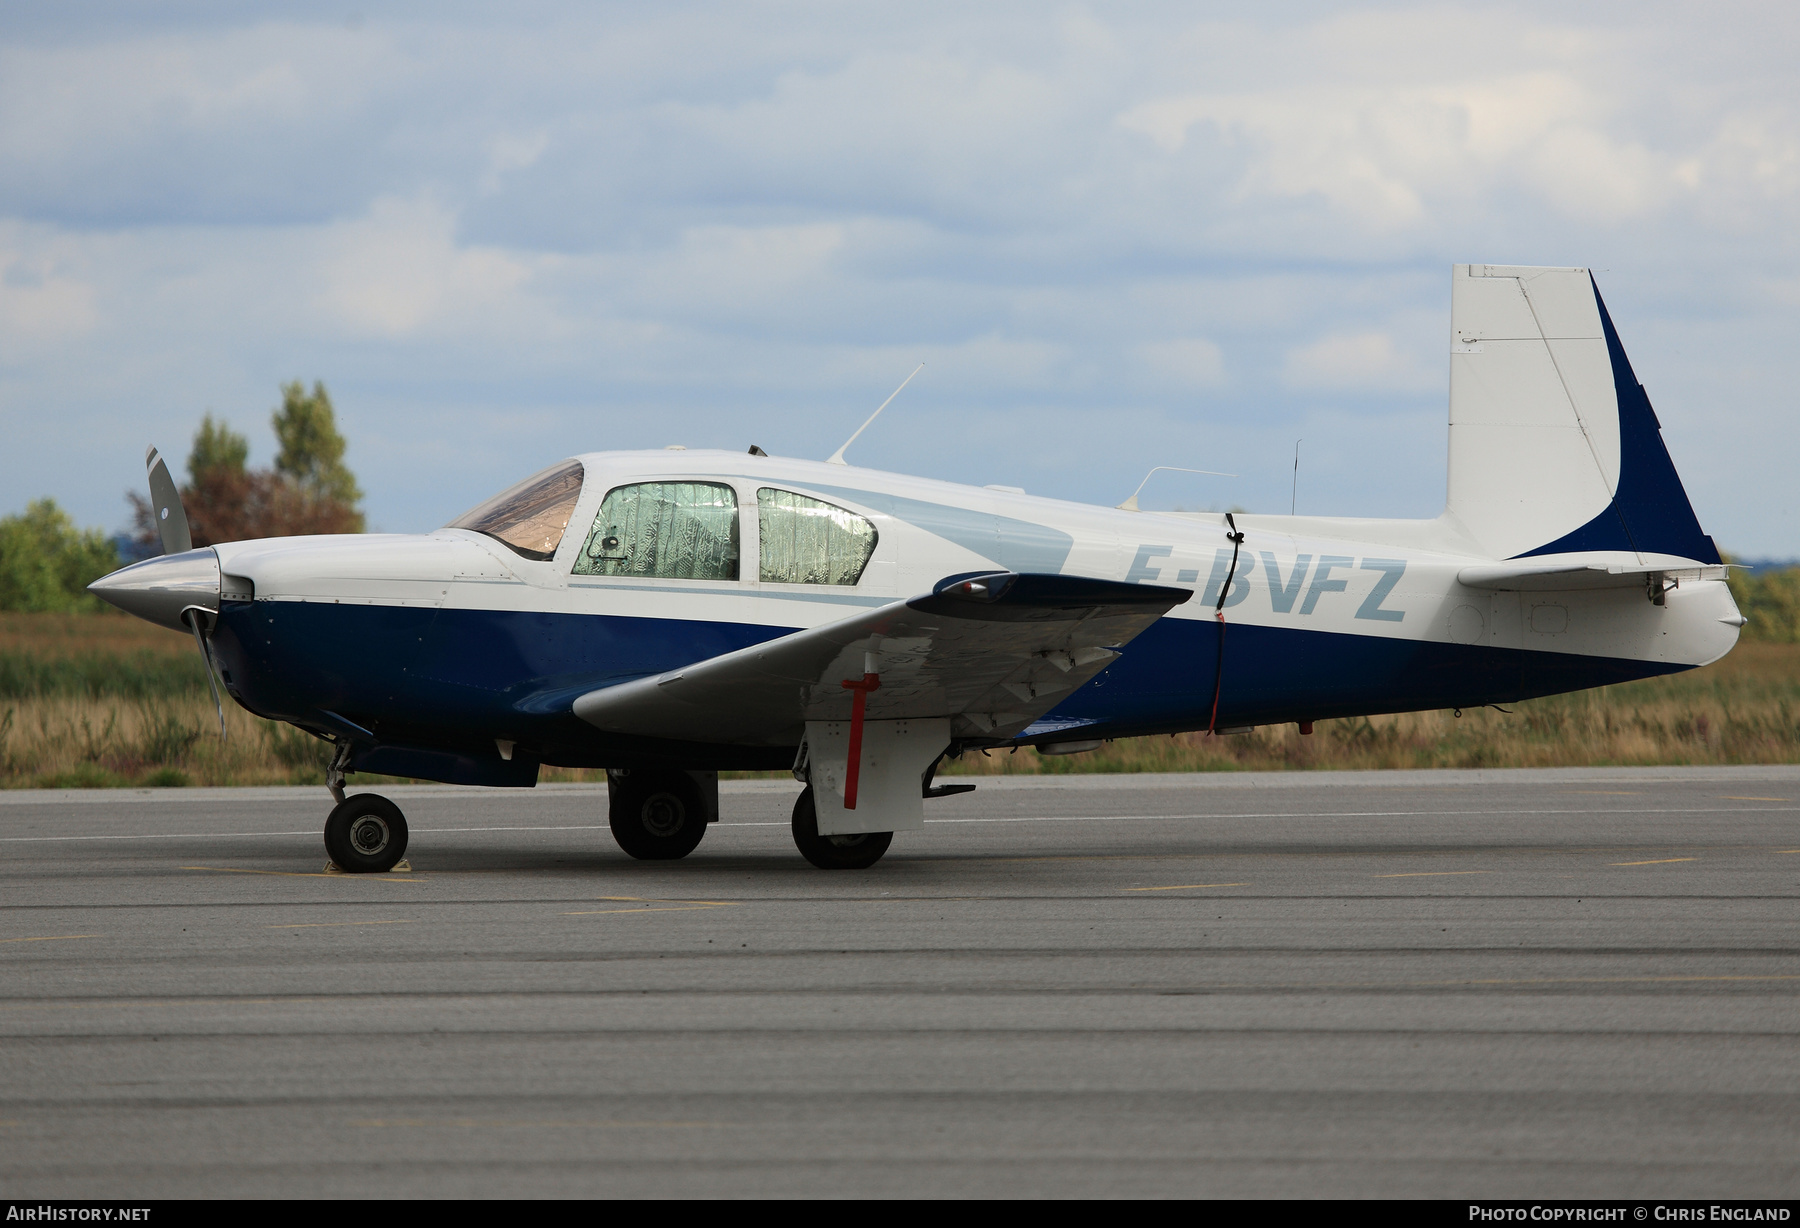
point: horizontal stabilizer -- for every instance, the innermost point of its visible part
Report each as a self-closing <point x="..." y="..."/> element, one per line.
<point x="994" y="652"/>
<point x="1572" y="572"/>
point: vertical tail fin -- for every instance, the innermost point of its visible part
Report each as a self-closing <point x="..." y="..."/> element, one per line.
<point x="1553" y="445"/>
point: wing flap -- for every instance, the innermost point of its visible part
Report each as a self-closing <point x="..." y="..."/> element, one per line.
<point x="993" y="652"/>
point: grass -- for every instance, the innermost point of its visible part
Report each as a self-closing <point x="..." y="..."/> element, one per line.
<point x="106" y="700"/>
<point x="108" y="654"/>
<point x="100" y="700"/>
<point x="1744" y="709"/>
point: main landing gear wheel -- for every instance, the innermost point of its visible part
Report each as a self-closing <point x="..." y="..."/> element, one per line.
<point x="857" y="852"/>
<point x="657" y="816"/>
<point x="366" y="834"/>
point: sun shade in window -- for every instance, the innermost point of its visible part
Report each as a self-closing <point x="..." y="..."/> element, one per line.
<point x="806" y="541"/>
<point x="529" y="517"/>
<point x="665" y="530"/>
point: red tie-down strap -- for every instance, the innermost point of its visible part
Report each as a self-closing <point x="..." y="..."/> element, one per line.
<point x="1236" y="539"/>
<point x="859" y="695"/>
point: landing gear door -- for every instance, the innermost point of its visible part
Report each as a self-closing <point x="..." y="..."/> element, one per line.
<point x="890" y="791"/>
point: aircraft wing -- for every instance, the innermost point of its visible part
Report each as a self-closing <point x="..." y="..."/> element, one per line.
<point x="992" y="652"/>
<point x="1572" y="572"/>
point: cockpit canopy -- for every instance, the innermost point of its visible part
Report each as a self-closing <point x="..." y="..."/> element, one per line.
<point x="529" y="518"/>
<point x="678" y="530"/>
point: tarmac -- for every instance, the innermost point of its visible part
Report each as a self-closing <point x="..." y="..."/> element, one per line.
<point x="1518" y="984"/>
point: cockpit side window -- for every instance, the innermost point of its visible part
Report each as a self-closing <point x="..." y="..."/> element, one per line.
<point x="665" y="530"/>
<point x="529" y="518"/>
<point x="808" y="541"/>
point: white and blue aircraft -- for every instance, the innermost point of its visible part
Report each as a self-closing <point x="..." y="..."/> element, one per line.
<point x="670" y="614"/>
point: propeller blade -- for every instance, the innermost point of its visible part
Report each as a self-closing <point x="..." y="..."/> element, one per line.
<point x="171" y="518"/>
<point x="177" y="538"/>
<point x="211" y="670"/>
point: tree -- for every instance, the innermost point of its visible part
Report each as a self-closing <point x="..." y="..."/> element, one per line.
<point x="46" y="563"/>
<point x="312" y="451"/>
<point x="1771" y="601"/>
<point x="308" y="491"/>
<point x="217" y="448"/>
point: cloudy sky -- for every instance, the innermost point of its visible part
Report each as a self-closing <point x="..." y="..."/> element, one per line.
<point x="1117" y="235"/>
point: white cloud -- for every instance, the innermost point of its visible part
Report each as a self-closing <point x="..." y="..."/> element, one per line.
<point x="1193" y="362"/>
<point x="511" y="152"/>
<point x="606" y="226"/>
<point x="400" y="271"/>
<point x="748" y="264"/>
<point x="1387" y="155"/>
<point x="1355" y="361"/>
<point x="44" y="299"/>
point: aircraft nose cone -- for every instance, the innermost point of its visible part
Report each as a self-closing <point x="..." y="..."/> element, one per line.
<point x="158" y="590"/>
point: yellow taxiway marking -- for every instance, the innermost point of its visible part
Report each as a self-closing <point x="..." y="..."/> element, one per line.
<point x="679" y="906"/>
<point x="1431" y="874"/>
<point x="1666" y="861"/>
<point x="684" y="908"/>
<point x="465" y="1123"/>
<point x="1787" y="850"/>
<point x="1731" y="798"/>
<point x="135" y="1004"/>
<point x="325" y="925"/>
<point x="1187" y="887"/>
<point x="50" y="938"/>
<point x="300" y="874"/>
<point x="1615" y="980"/>
<point x="1603" y="793"/>
<point x="1497" y="982"/>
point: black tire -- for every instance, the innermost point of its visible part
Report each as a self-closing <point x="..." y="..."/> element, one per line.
<point x="857" y="852"/>
<point x="366" y="834"/>
<point x="657" y="816"/>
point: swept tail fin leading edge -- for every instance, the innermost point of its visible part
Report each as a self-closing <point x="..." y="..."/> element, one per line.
<point x="1554" y="447"/>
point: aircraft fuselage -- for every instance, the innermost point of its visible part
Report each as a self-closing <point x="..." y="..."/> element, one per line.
<point x="453" y="642"/>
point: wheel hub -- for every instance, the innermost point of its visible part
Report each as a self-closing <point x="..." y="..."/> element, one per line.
<point x="663" y="814"/>
<point x="368" y="835"/>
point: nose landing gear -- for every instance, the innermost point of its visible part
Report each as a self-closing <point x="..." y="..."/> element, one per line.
<point x="366" y="833"/>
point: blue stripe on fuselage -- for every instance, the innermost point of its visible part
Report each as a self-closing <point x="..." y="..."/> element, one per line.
<point x="459" y="678"/>
<point x="455" y="678"/>
<point x="1163" y="682"/>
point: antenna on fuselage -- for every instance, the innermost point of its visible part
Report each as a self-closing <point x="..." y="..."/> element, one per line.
<point x="1131" y="504"/>
<point x="837" y="458"/>
<point x="1294" y="496"/>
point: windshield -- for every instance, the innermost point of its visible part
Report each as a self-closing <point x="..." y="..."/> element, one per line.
<point x="530" y="517"/>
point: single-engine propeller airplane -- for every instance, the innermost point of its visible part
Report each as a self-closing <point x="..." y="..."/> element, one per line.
<point x="666" y="615"/>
